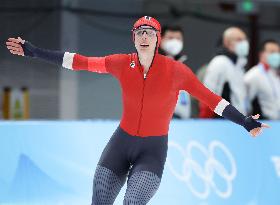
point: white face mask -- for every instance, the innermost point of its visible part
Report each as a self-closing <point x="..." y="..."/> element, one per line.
<point x="172" y="47"/>
<point x="273" y="60"/>
<point x="242" y="48"/>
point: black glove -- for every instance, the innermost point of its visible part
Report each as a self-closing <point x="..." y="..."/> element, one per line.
<point x="231" y="113"/>
<point x="30" y="50"/>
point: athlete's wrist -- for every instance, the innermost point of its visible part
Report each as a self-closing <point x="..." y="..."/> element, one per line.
<point x="250" y="123"/>
<point x="29" y="49"/>
<point x="231" y="113"/>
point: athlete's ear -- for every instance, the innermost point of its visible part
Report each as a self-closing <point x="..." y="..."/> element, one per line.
<point x="133" y="36"/>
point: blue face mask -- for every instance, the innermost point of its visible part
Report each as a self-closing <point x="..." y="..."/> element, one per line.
<point x="242" y="48"/>
<point x="273" y="60"/>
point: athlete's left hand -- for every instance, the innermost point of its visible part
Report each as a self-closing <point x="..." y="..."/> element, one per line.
<point x="256" y="131"/>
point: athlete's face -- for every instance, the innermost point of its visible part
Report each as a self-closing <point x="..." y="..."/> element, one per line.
<point x="145" y="39"/>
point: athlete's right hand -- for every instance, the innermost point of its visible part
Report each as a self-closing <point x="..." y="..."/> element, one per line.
<point x="14" y="45"/>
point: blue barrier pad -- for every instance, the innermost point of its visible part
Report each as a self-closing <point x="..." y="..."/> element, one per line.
<point x="210" y="162"/>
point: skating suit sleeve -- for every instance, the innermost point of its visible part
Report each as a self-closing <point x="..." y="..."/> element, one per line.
<point x="186" y="80"/>
<point x="112" y="64"/>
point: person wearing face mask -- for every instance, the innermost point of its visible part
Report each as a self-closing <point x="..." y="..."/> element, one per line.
<point x="172" y="44"/>
<point x="263" y="83"/>
<point x="225" y="72"/>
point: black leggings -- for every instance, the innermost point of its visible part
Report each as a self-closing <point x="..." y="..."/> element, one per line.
<point x="140" y="159"/>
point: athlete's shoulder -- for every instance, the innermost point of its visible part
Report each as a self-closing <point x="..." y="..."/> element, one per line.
<point x="164" y="58"/>
<point x="161" y="56"/>
<point x="115" y="63"/>
<point x="117" y="59"/>
<point x="119" y="56"/>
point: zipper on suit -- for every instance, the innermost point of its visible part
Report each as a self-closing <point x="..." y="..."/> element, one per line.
<point x="142" y="100"/>
<point x="144" y="78"/>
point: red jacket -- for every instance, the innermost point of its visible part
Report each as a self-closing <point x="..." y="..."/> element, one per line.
<point x="148" y="103"/>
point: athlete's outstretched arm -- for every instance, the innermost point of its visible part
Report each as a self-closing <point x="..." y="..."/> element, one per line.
<point x="73" y="61"/>
<point x="189" y="82"/>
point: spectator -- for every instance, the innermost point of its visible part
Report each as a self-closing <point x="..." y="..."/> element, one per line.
<point x="263" y="82"/>
<point x="172" y="46"/>
<point x="225" y="72"/>
<point x="200" y="73"/>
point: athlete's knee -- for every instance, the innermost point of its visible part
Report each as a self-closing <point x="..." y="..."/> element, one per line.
<point x="106" y="186"/>
<point x="141" y="187"/>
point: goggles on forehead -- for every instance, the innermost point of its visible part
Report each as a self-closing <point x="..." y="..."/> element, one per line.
<point x="148" y="30"/>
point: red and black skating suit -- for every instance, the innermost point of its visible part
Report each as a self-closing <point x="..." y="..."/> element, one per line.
<point x="148" y="102"/>
<point x="138" y="148"/>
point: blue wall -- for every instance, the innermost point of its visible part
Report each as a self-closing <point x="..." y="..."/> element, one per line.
<point x="209" y="163"/>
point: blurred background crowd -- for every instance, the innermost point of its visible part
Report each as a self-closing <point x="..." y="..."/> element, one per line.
<point x="232" y="46"/>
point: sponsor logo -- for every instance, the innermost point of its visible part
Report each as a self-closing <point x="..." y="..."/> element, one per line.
<point x="132" y="64"/>
<point x="148" y="17"/>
